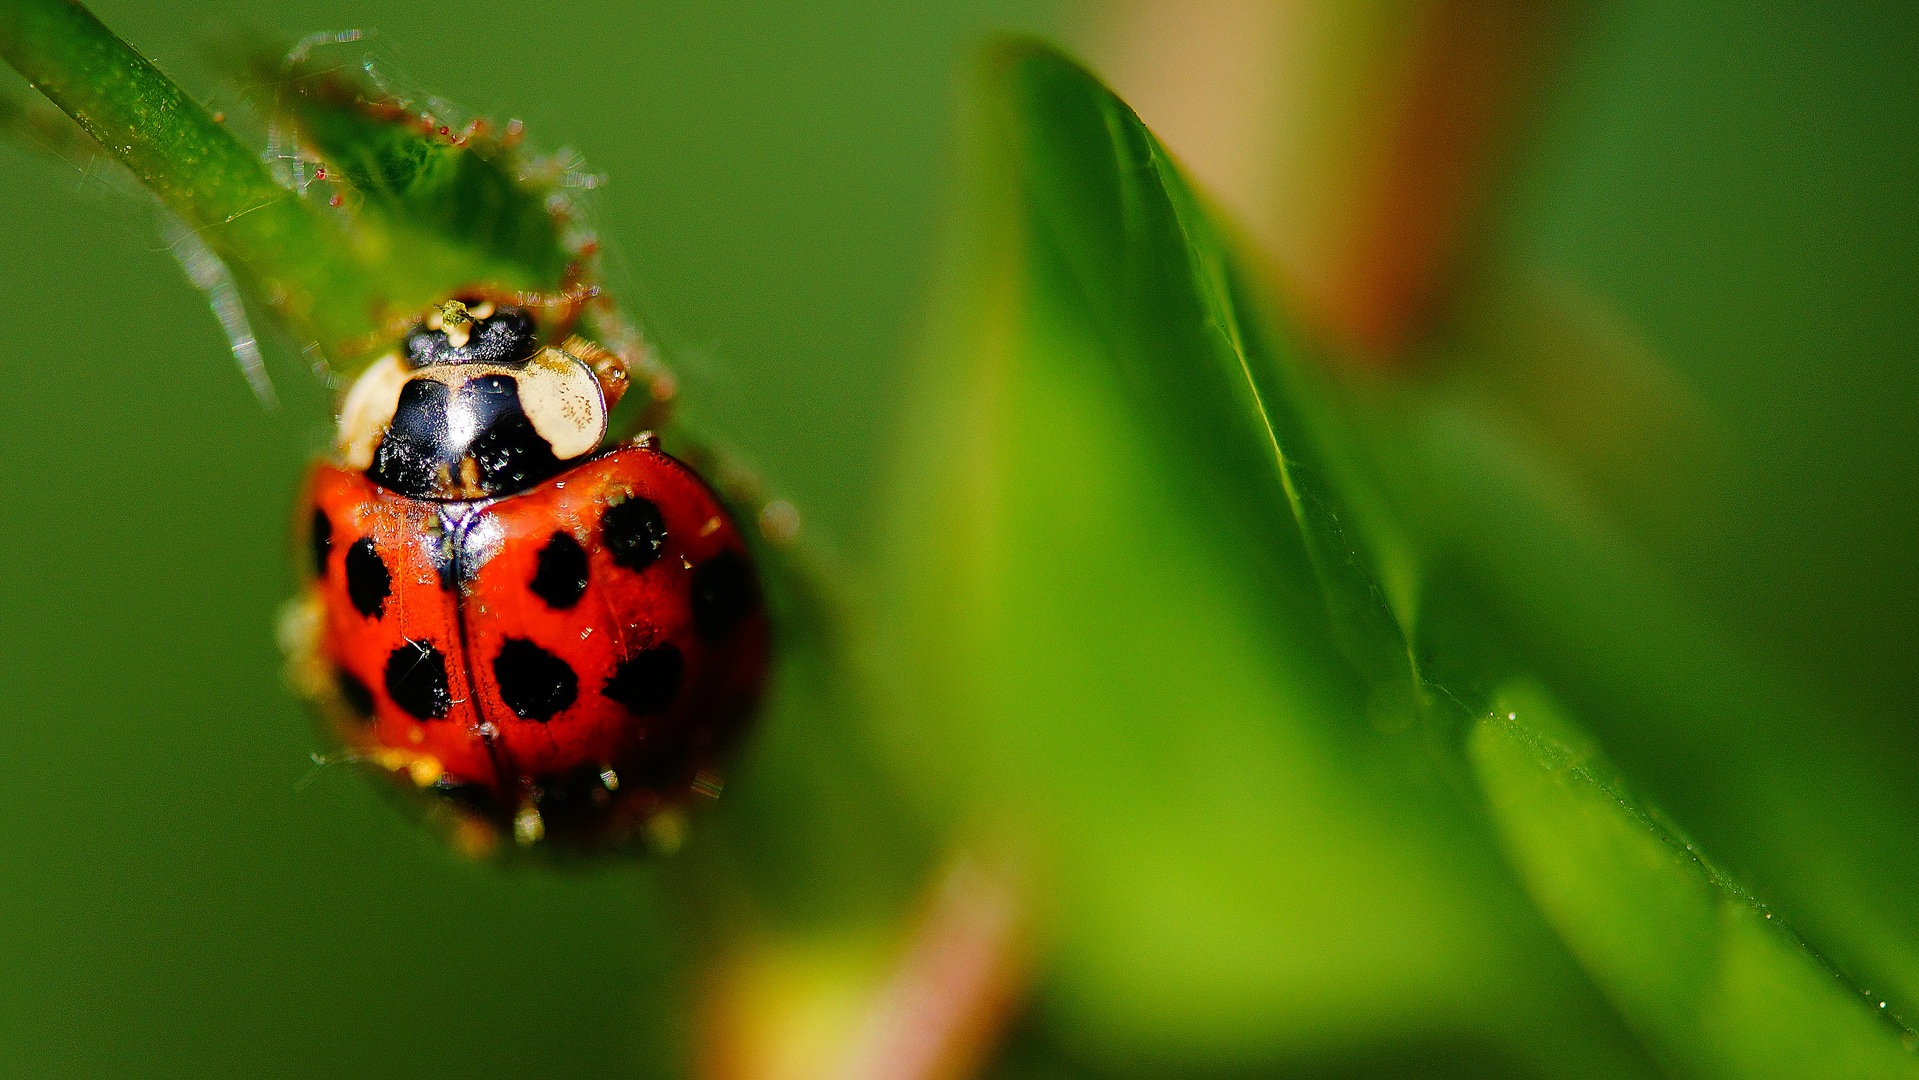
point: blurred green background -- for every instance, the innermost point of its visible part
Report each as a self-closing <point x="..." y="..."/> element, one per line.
<point x="1738" y="192"/>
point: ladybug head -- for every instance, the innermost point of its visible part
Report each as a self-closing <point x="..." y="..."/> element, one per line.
<point x="472" y="407"/>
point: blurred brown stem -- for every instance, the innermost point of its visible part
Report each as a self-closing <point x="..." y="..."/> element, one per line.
<point x="1360" y="145"/>
<point x="946" y="1002"/>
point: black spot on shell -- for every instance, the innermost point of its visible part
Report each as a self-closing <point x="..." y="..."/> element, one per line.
<point x="355" y="693"/>
<point x="368" y="583"/>
<point x="320" y="535"/>
<point x="634" y="532"/>
<point x="416" y="680"/>
<point x="725" y="590"/>
<point x="647" y="681"/>
<point x="560" y="575"/>
<point x="534" y="683"/>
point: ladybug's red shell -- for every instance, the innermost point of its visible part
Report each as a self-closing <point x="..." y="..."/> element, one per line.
<point x="560" y="662"/>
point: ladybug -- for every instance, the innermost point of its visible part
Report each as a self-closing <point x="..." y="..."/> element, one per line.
<point x="552" y="642"/>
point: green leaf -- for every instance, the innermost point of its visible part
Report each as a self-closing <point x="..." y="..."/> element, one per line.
<point x="1141" y="633"/>
<point x="196" y="167"/>
<point x="415" y="209"/>
<point x="460" y="190"/>
<point x="1534" y="577"/>
<point x="1714" y="984"/>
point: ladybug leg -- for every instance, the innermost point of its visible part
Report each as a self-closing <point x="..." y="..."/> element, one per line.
<point x="528" y="826"/>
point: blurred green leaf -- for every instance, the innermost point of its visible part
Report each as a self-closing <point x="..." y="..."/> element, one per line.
<point x="408" y="172"/>
<point x="276" y="242"/>
<point x="414" y="208"/>
<point x="435" y="202"/>
<point x="1139" y="601"/>
<point x="1530" y="574"/>
<point x="1140" y="633"/>
<point x="1713" y="983"/>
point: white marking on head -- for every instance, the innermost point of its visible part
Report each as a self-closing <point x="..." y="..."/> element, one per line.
<point x="369" y="408"/>
<point x="559" y="393"/>
<point x="561" y="397"/>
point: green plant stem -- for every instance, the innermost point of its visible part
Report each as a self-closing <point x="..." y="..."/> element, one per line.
<point x="198" y="168"/>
